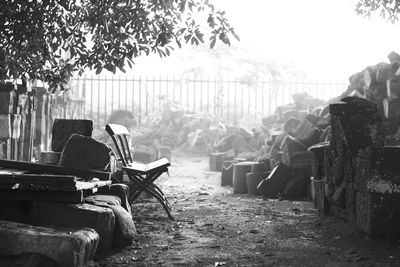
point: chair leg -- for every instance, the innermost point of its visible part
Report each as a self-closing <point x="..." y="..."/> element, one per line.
<point x="164" y="202"/>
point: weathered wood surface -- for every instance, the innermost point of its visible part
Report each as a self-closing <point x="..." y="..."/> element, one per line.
<point x="86" y="174"/>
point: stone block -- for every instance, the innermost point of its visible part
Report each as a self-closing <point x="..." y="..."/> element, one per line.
<point x="227" y="173"/>
<point x="357" y="122"/>
<point x="101" y="219"/>
<point x="321" y="201"/>
<point x="391" y="108"/>
<point x="317" y="153"/>
<point x="378" y="213"/>
<point x="125" y="230"/>
<point x="85" y="152"/>
<point x="291" y="124"/>
<point x="5" y="129"/>
<point x="298" y="160"/>
<point x="216" y="161"/>
<point x="275" y="182"/>
<point x="67" y="247"/>
<point x="307" y="133"/>
<point x="290" y="145"/>
<point x="239" y="176"/>
<point x="7" y="98"/>
<point x="252" y="181"/>
<point x="296" y="187"/>
<point x="50" y="157"/>
<point x="393" y="88"/>
<point x="377" y="170"/>
<point x="63" y="129"/>
<point x="259" y="167"/>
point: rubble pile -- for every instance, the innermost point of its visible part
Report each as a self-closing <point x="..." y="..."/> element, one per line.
<point x="357" y="172"/>
<point x="290" y="131"/>
<point x="343" y="153"/>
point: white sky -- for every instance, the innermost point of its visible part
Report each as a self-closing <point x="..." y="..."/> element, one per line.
<point x="326" y="39"/>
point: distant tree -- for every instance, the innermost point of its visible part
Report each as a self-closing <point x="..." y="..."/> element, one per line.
<point x="389" y="9"/>
<point x="48" y="40"/>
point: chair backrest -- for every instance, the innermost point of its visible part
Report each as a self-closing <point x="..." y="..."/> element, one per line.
<point x="120" y="136"/>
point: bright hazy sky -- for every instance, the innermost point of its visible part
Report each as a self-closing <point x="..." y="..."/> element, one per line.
<point x="326" y="39"/>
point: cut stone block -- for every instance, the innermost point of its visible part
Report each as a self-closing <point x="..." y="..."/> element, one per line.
<point x="63" y="129"/>
<point x="239" y="176"/>
<point x="5" y="129"/>
<point x="118" y="190"/>
<point x="291" y="145"/>
<point x="377" y="170"/>
<point x="259" y="167"/>
<point x="394" y="58"/>
<point x="7" y="96"/>
<point x="378" y="213"/>
<point x="358" y="123"/>
<point x="27" y="260"/>
<point x="275" y="182"/>
<point x="75" y="215"/>
<point x="216" y="161"/>
<point x="317" y="153"/>
<point x="85" y="153"/>
<point x="227" y="173"/>
<point x="67" y="247"/>
<point x="125" y="230"/>
<point x="321" y="201"/>
<point x="296" y="187"/>
<point x="384" y="73"/>
<point x="393" y="88"/>
<point x="252" y="181"/>
<point x="50" y="157"/>
<point x="391" y="108"/>
<point x="307" y="133"/>
<point x="226" y="143"/>
<point x="298" y="160"/>
<point x="291" y="124"/>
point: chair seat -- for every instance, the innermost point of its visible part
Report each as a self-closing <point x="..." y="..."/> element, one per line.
<point x="142" y="168"/>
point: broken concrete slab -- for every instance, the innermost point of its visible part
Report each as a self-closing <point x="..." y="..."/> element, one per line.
<point x="101" y="219"/>
<point x="68" y="247"/>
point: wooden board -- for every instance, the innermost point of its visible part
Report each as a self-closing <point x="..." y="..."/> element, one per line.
<point x="58" y="196"/>
<point x="46" y="168"/>
<point x="38" y="179"/>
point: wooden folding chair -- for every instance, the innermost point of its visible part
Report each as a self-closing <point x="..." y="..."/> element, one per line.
<point x="142" y="176"/>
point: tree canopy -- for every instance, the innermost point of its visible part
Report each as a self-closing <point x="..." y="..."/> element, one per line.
<point x="388" y="9"/>
<point x="48" y="40"/>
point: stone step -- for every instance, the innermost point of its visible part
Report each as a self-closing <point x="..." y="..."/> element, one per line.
<point x="67" y="247"/>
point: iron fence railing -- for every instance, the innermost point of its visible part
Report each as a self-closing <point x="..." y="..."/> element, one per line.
<point x="229" y="99"/>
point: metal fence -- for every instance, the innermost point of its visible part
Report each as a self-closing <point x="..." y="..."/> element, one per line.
<point x="231" y="100"/>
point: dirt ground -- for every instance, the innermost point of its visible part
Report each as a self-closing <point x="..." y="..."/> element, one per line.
<point x="214" y="227"/>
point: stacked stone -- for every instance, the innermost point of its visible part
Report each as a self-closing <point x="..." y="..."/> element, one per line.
<point x="17" y="119"/>
<point x="359" y="168"/>
<point x="289" y="155"/>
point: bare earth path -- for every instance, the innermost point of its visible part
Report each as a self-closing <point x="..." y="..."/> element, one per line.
<point x="214" y="227"/>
